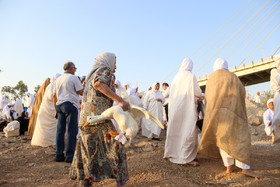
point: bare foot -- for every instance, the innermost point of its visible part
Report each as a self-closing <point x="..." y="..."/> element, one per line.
<point x="230" y="169"/>
<point x="250" y="173"/>
<point x="193" y="163"/>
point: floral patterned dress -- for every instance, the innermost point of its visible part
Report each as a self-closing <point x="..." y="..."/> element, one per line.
<point x="98" y="155"/>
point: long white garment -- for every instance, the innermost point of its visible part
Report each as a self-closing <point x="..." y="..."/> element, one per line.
<point x="150" y="103"/>
<point x="275" y="87"/>
<point x="267" y="118"/>
<point x="30" y="103"/>
<point x="45" y="129"/>
<point x="182" y="135"/>
<point x="18" y="107"/>
<point x="4" y="102"/>
<point x="257" y="99"/>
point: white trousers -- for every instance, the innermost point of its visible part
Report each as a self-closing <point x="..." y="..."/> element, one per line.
<point x="228" y="161"/>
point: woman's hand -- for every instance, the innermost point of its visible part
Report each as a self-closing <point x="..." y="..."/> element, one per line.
<point x="125" y="105"/>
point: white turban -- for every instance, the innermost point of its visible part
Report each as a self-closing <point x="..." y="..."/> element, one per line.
<point x="187" y="65"/>
<point x="103" y="60"/>
<point x="269" y="101"/>
<point x="220" y="63"/>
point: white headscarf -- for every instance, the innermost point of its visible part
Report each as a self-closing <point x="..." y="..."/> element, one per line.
<point x="220" y="63"/>
<point x="117" y="82"/>
<point x="153" y="88"/>
<point x="31" y="100"/>
<point x="103" y="60"/>
<point x="55" y="77"/>
<point x="187" y="65"/>
<point x="269" y="101"/>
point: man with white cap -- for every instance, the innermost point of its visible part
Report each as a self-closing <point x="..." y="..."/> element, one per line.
<point x="267" y="118"/>
<point x="225" y="129"/>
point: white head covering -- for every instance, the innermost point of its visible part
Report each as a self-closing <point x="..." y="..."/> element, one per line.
<point x="220" y="63"/>
<point x="187" y="65"/>
<point x="117" y="82"/>
<point x="153" y="88"/>
<point x="55" y="77"/>
<point x="103" y="60"/>
<point x="31" y="100"/>
<point x="18" y="106"/>
<point x="269" y="101"/>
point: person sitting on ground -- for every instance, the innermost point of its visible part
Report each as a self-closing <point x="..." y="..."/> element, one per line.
<point x="225" y="129"/>
<point x="267" y="118"/>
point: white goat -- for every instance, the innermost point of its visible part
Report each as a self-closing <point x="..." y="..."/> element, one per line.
<point x="125" y="119"/>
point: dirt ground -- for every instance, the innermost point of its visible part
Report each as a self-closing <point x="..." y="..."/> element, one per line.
<point x="24" y="165"/>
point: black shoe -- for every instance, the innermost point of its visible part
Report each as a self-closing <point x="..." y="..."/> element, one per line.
<point x="60" y="159"/>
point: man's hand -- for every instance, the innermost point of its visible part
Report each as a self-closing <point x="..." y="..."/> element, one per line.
<point x="159" y="100"/>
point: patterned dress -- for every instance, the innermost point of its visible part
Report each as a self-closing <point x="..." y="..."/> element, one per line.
<point x="98" y="155"/>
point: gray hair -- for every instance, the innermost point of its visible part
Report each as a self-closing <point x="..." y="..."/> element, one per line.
<point x="68" y="65"/>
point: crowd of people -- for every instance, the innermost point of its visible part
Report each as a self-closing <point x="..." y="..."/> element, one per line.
<point x="97" y="152"/>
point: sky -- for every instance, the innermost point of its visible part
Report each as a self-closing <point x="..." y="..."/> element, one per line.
<point x="149" y="37"/>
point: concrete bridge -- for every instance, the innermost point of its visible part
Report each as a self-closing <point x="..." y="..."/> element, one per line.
<point x="249" y="74"/>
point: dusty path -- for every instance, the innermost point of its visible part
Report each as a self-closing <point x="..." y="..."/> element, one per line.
<point x="24" y="165"/>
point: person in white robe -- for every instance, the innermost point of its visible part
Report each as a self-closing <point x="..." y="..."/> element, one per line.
<point x="46" y="124"/>
<point x="275" y="87"/>
<point x="153" y="101"/>
<point x="9" y="112"/>
<point x="18" y="107"/>
<point x="182" y="134"/>
<point x="30" y="103"/>
<point x="133" y="98"/>
<point x="258" y="98"/>
<point x="120" y="91"/>
<point x="165" y="93"/>
<point x="267" y="118"/>
<point x="3" y="103"/>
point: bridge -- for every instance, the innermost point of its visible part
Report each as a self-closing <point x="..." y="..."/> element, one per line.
<point x="249" y="74"/>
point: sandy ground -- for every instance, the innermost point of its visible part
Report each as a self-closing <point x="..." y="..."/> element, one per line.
<point x="24" y="165"/>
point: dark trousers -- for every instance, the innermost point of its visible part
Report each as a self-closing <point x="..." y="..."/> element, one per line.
<point x="67" y="116"/>
<point x="166" y="111"/>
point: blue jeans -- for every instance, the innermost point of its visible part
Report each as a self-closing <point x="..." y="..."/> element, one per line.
<point x="67" y="115"/>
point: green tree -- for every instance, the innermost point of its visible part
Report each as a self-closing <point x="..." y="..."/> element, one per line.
<point x="8" y="92"/>
<point x="36" y="89"/>
<point x="19" y="91"/>
<point x="266" y="95"/>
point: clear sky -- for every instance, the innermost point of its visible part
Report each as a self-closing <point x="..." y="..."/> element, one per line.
<point x="149" y="37"/>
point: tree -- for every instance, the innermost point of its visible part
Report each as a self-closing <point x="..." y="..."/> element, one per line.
<point x="36" y="89"/>
<point x="19" y="91"/>
<point x="266" y="95"/>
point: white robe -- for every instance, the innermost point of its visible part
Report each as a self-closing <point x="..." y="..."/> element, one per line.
<point x="267" y="118"/>
<point x="150" y="103"/>
<point x="18" y="107"/>
<point x="275" y="87"/>
<point x="257" y="99"/>
<point x="182" y="134"/>
<point x="30" y="103"/>
<point x="46" y="124"/>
